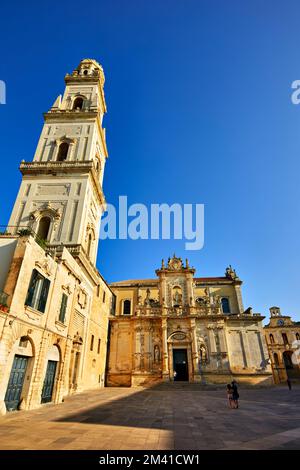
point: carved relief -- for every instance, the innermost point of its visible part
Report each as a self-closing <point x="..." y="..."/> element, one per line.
<point x="44" y="266"/>
<point x="82" y="298"/>
<point x="53" y="189"/>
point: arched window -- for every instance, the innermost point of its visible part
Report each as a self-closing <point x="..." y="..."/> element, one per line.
<point x="62" y="151"/>
<point x="276" y="361"/>
<point x="285" y="338"/>
<point x="78" y="103"/>
<point x="43" y="228"/>
<point x="225" y="305"/>
<point x="126" y="307"/>
<point x="272" y="339"/>
<point x="297" y="336"/>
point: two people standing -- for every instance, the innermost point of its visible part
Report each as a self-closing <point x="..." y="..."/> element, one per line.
<point x="233" y="395"/>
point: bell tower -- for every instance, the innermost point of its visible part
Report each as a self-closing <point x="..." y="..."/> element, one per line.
<point x="61" y="197"/>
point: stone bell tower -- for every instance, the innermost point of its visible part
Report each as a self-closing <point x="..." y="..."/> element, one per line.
<point x="61" y="197"/>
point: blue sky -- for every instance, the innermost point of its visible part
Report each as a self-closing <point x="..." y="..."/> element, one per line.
<point x="199" y="111"/>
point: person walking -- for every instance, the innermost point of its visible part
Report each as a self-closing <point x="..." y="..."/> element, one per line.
<point x="229" y="390"/>
<point x="289" y="384"/>
<point x="235" y="394"/>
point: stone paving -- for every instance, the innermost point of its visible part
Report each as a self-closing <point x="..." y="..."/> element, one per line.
<point x="184" y="416"/>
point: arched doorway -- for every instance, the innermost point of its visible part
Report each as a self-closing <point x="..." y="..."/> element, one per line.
<point x="21" y="364"/>
<point x="53" y="359"/>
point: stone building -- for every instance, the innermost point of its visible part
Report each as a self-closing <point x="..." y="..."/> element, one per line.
<point x="181" y="327"/>
<point x="283" y="341"/>
<point x="54" y="304"/>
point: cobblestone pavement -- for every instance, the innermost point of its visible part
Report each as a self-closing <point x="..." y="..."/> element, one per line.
<point x="171" y="417"/>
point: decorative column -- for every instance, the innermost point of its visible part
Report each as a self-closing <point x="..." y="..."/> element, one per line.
<point x="195" y="353"/>
<point x="190" y="293"/>
<point x="166" y="375"/>
<point x="163" y="293"/>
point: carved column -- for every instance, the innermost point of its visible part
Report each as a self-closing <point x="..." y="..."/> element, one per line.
<point x="190" y="292"/>
<point x="163" y="292"/>
<point x="195" y="352"/>
<point x="165" y="350"/>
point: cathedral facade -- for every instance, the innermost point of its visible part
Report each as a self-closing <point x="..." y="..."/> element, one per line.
<point x="55" y="307"/>
<point x="179" y="327"/>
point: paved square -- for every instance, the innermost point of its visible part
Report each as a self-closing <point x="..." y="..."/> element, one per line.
<point x="177" y="416"/>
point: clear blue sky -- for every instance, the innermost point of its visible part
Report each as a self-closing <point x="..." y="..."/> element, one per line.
<point x="199" y="111"/>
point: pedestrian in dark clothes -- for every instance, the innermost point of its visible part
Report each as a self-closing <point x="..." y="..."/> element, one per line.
<point x="289" y="384"/>
<point x="235" y="394"/>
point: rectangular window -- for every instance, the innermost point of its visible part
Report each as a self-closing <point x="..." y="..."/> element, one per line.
<point x="98" y="291"/>
<point x="63" y="308"/>
<point x="38" y="291"/>
<point x="99" y="345"/>
<point x="103" y="296"/>
<point x="92" y="343"/>
<point x="113" y="305"/>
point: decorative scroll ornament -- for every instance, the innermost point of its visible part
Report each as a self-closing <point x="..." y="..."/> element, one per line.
<point x="44" y="265"/>
<point x="175" y="264"/>
<point x="179" y="336"/>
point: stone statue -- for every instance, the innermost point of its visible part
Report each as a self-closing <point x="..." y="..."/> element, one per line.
<point x="177" y="298"/>
<point x="156" y="354"/>
<point x="230" y="273"/>
<point x="147" y="299"/>
<point x="203" y="353"/>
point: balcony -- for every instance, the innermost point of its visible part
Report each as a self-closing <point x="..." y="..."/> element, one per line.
<point x="55" y="167"/>
<point x="8" y="231"/>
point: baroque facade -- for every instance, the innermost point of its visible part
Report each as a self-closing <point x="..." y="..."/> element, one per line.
<point x="54" y="304"/>
<point x="283" y="341"/>
<point x="55" y="307"/>
<point x="181" y="327"/>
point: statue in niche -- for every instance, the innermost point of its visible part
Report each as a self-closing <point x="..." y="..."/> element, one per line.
<point x="156" y="354"/>
<point x="177" y="298"/>
<point x="147" y="299"/>
<point x="203" y="353"/>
